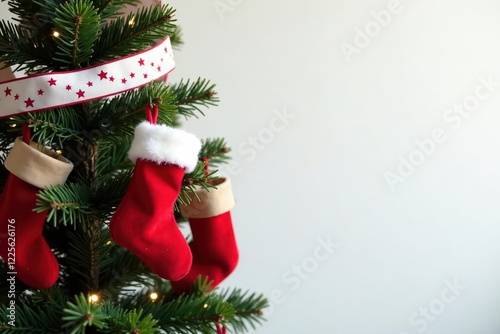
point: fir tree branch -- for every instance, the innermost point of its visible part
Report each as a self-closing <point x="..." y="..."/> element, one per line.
<point x="112" y="163"/>
<point x="83" y="313"/>
<point x="119" y="38"/>
<point x="161" y="21"/>
<point x="33" y="319"/>
<point x="176" y="38"/>
<point x="34" y="15"/>
<point x="77" y="23"/>
<point x="190" y="97"/>
<point x="215" y="150"/>
<point x="190" y="314"/>
<point x="134" y="322"/>
<point x="248" y="309"/>
<point x="53" y="295"/>
<point x="126" y="271"/>
<point x="197" y="178"/>
<point x="124" y="112"/>
<point x="87" y="255"/>
<point x="21" y="49"/>
<point x="110" y="192"/>
<point x="105" y="5"/>
<point x="49" y="128"/>
<point x="72" y="201"/>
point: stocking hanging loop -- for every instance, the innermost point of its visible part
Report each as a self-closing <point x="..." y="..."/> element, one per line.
<point x="220" y="329"/>
<point x="26" y="133"/>
<point x="152" y="115"/>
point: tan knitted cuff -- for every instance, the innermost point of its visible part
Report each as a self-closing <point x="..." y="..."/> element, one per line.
<point x="212" y="203"/>
<point x="37" y="165"/>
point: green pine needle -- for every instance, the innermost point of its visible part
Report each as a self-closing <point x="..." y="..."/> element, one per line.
<point x="248" y="309"/>
<point x="111" y="9"/>
<point x="83" y="313"/>
<point x="69" y="203"/>
<point x="190" y="314"/>
<point x="20" y="49"/>
<point x="137" y="31"/>
<point x="190" y="97"/>
<point x="77" y="23"/>
<point x="134" y="321"/>
<point x="197" y="178"/>
<point x="215" y="150"/>
<point x="124" y="112"/>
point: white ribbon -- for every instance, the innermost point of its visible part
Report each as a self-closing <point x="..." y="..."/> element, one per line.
<point x="57" y="89"/>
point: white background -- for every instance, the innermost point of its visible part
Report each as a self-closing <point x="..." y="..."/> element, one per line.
<point x="321" y="174"/>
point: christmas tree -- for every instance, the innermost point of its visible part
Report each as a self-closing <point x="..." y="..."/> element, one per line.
<point x="97" y="176"/>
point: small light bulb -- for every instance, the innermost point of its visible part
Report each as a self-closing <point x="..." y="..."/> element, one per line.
<point x="94" y="298"/>
<point x="109" y="242"/>
<point x="12" y="125"/>
<point x="131" y="22"/>
<point x="56" y="34"/>
<point x="153" y="296"/>
<point x="205" y="306"/>
<point x="59" y="152"/>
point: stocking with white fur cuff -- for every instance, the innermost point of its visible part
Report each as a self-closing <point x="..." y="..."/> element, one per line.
<point x="22" y="246"/>
<point x="214" y="248"/>
<point x="144" y="222"/>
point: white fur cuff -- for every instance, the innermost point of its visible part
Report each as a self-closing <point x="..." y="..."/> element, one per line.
<point x="163" y="144"/>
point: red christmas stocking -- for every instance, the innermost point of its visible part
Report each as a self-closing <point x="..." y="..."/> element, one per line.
<point x="215" y="253"/>
<point x="144" y="222"/>
<point x="22" y="245"/>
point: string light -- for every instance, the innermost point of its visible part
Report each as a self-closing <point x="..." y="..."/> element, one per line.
<point x="205" y="306"/>
<point x="59" y="152"/>
<point x="56" y="34"/>
<point x="12" y="125"/>
<point x="153" y="296"/>
<point x="131" y="22"/>
<point x="109" y="242"/>
<point x="94" y="298"/>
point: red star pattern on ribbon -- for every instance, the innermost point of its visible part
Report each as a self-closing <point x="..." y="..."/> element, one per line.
<point x="103" y="75"/>
<point x="72" y="87"/>
<point x="29" y="102"/>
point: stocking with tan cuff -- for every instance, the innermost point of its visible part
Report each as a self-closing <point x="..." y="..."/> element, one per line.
<point x="22" y="245"/>
<point x="144" y="223"/>
<point x="214" y="248"/>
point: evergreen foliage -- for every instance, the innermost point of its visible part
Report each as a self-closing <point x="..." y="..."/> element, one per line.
<point x="96" y="136"/>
